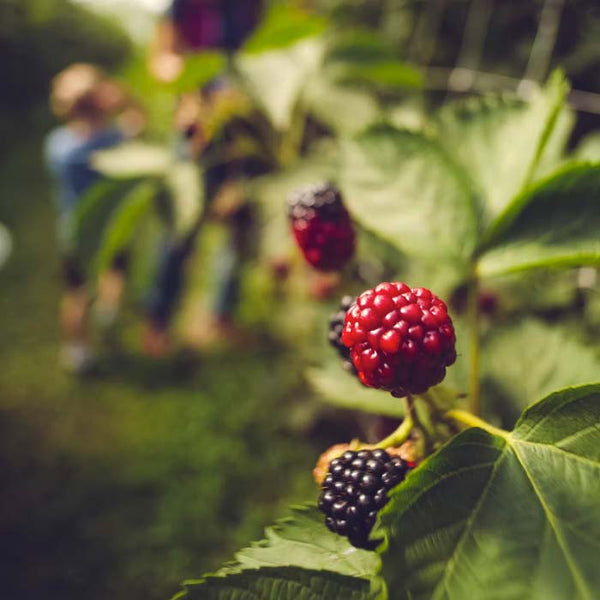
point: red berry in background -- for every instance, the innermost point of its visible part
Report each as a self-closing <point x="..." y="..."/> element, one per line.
<point x="322" y="226"/>
<point x="401" y="339"/>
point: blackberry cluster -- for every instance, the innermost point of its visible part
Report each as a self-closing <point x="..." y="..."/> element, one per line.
<point x="401" y="339"/>
<point x="322" y="226"/>
<point x="336" y="326"/>
<point x="356" y="488"/>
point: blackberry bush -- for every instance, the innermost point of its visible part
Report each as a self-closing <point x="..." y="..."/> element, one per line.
<point x="356" y="488"/>
<point x="322" y="226"/>
<point x="401" y="339"/>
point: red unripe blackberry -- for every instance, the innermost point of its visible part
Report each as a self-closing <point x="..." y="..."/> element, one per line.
<point x="356" y="488"/>
<point x="322" y="226"/>
<point x="401" y="339"/>
<point x="336" y="326"/>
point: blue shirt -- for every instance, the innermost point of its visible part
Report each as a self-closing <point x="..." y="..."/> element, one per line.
<point x="68" y="157"/>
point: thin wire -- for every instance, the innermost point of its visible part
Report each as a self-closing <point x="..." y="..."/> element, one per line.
<point x="473" y="41"/>
<point x="543" y="44"/>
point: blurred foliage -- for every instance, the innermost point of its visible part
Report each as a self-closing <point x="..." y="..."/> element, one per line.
<point x="38" y="38"/>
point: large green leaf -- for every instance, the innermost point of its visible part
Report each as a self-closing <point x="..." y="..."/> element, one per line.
<point x="347" y="111"/>
<point x="406" y="188"/>
<point x="124" y="222"/>
<point x="549" y="358"/>
<point x="276" y="79"/>
<point x="133" y="159"/>
<point x="500" y="140"/>
<point x="282" y="26"/>
<point x="279" y="583"/>
<point x="554" y="223"/>
<point x="303" y="540"/>
<point x="344" y="390"/>
<point x="503" y="516"/>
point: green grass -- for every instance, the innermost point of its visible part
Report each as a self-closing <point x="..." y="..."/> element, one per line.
<point x="121" y="485"/>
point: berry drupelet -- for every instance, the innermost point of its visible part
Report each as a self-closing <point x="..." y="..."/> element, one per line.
<point x="401" y="339"/>
<point x="322" y="226"/>
<point x="336" y="326"/>
<point x="356" y="488"/>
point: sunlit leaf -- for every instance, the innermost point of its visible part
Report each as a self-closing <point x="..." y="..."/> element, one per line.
<point x="198" y="69"/>
<point x="406" y="188"/>
<point x="303" y="540"/>
<point x="282" y="26"/>
<point x="123" y="223"/>
<point x="589" y="148"/>
<point x="132" y="159"/>
<point x="500" y="140"/>
<point x="503" y="517"/>
<point x="344" y="390"/>
<point x="184" y="182"/>
<point x="276" y="79"/>
<point x="549" y="358"/>
<point x="555" y="223"/>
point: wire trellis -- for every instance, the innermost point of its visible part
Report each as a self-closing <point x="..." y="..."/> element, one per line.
<point x="466" y="76"/>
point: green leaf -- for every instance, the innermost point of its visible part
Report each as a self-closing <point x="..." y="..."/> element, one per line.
<point x="503" y="517"/>
<point x="199" y="68"/>
<point x="132" y="159"/>
<point x="345" y="390"/>
<point x="276" y="79"/>
<point x="357" y="46"/>
<point x="5" y="244"/>
<point x="500" y="140"/>
<point x="549" y="358"/>
<point x="554" y="223"/>
<point x="303" y="540"/>
<point x="280" y="583"/>
<point x="347" y="111"/>
<point x="406" y="188"/>
<point x="123" y="223"/>
<point x="93" y="212"/>
<point x="386" y="74"/>
<point x="589" y="148"/>
<point x="184" y="183"/>
<point x="282" y="26"/>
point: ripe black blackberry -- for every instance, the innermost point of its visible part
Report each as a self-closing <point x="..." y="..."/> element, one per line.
<point x="336" y="326"/>
<point x="356" y="488"/>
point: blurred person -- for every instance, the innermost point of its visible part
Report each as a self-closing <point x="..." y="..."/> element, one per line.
<point x="97" y="114"/>
<point x="191" y="26"/>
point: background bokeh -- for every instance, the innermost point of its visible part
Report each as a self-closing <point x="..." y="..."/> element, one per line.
<point x="151" y="470"/>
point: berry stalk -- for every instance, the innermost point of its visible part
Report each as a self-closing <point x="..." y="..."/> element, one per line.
<point x="470" y="420"/>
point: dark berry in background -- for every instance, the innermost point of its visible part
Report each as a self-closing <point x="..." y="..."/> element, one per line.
<point x="401" y="339"/>
<point x="355" y="489"/>
<point x="322" y="226"/>
<point x="336" y="326"/>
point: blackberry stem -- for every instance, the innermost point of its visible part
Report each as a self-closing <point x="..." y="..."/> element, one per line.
<point x="473" y="317"/>
<point x="404" y="430"/>
<point x="469" y="419"/>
